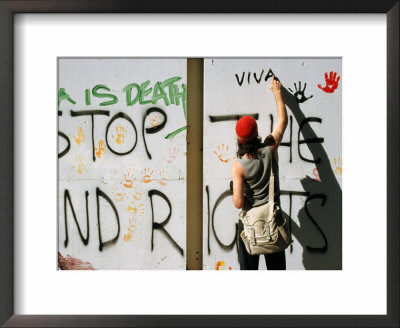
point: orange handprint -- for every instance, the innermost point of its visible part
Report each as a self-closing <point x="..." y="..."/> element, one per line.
<point x="164" y="176"/>
<point x="80" y="137"/>
<point x="139" y="209"/>
<point x="222" y="153"/>
<point x="147" y="173"/>
<point x="131" y="230"/>
<point x="101" y="150"/>
<point x="128" y="183"/>
<point x="331" y="82"/>
<point x="121" y="132"/>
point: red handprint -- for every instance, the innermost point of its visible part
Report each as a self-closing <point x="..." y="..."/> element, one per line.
<point x="331" y="82"/>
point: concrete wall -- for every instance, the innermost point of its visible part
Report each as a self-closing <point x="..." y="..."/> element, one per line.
<point x="122" y="163"/>
<point x="310" y="172"/>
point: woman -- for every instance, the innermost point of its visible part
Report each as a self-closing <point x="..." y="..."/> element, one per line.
<point x="251" y="173"/>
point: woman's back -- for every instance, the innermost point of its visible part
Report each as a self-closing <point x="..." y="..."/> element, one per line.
<point x="257" y="175"/>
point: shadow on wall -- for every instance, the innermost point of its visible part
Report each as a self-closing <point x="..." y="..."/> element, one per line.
<point x="320" y="220"/>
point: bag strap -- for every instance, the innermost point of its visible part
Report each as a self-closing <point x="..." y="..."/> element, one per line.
<point x="271" y="182"/>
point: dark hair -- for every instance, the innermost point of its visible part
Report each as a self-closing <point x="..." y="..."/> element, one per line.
<point x="251" y="148"/>
<point x="254" y="146"/>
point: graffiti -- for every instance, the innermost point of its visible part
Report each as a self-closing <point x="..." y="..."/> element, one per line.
<point x="92" y="113"/>
<point x="85" y="241"/>
<point x="309" y="140"/>
<point x="161" y="225"/>
<point x="153" y="129"/>
<point x="223" y="118"/>
<point x="121" y="136"/>
<point x="222" y="153"/>
<point x="67" y="197"/>
<point x="80" y="137"/>
<point x="168" y="91"/>
<point x="338" y="165"/>
<point x="95" y="91"/>
<point x="331" y="82"/>
<point x="299" y="94"/>
<point x="71" y="263"/>
<point x="68" y="147"/>
<point x="324" y="248"/>
<point x="219" y="200"/>
<point x="62" y="95"/>
<point x="124" y="215"/>
<point x="257" y="79"/>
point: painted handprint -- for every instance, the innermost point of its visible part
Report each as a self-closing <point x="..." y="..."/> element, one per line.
<point x="80" y="168"/>
<point x="138" y="193"/>
<point x="173" y="154"/>
<point x="139" y="209"/>
<point x="146" y="174"/>
<point x="331" y="82"/>
<point x="338" y="165"/>
<point x="131" y="229"/>
<point x="299" y="94"/>
<point x="121" y="132"/>
<point x="80" y="137"/>
<point x="120" y="196"/>
<point x="222" y="153"/>
<point x="155" y="120"/>
<point x="163" y="178"/>
<point x="101" y="150"/>
<point x="129" y="177"/>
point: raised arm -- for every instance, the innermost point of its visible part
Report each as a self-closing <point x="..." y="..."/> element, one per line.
<point x="280" y="126"/>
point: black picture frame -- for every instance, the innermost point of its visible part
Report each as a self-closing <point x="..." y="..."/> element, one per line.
<point x="7" y="10"/>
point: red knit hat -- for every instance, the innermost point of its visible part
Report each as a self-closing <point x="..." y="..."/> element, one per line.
<point x="246" y="129"/>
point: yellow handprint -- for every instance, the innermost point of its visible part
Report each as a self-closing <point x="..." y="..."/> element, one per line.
<point x="80" y="137"/>
<point x="81" y="166"/>
<point x="101" y="150"/>
<point x="121" y="132"/>
<point x="338" y="165"/>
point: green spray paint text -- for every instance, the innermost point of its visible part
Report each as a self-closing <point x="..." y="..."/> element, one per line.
<point x="168" y="91"/>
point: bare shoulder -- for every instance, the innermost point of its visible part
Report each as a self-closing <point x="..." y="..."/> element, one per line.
<point x="237" y="168"/>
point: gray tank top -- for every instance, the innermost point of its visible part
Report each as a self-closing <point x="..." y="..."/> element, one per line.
<point x="257" y="173"/>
